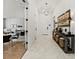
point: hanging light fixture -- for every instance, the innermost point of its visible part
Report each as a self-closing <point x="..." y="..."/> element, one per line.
<point x="45" y="9"/>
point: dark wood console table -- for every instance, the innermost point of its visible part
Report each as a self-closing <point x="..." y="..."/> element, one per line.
<point x="65" y="41"/>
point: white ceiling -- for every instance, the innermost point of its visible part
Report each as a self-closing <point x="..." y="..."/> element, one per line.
<point x="51" y="3"/>
<point x="12" y="8"/>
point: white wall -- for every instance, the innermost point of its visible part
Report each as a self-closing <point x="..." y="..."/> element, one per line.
<point x="12" y="9"/>
<point x="31" y="23"/>
<point x="64" y="6"/>
<point x="16" y="21"/>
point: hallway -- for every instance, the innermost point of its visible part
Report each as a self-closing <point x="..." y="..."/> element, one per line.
<point x="46" y="48"/>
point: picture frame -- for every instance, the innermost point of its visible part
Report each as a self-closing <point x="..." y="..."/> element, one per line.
<point x="63" y="20"/>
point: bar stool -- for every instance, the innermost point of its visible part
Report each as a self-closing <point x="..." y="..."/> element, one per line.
<point x="61" y="42"/>
<point x="57" y="38"/>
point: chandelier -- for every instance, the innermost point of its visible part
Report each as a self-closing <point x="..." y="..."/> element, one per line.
<point x="45" y="10"/>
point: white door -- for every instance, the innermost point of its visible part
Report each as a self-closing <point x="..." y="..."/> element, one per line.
<point x="42" y="24"/>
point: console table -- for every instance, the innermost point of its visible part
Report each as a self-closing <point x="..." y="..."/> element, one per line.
<point x="65" y="41"/>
